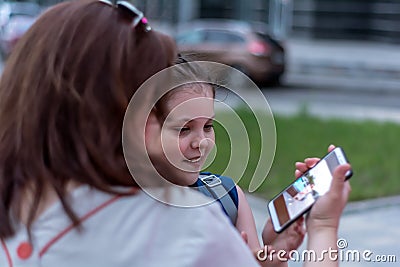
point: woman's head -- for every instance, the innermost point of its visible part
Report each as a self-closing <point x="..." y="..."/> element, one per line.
<point x="63" y="96"/>
<point x="179" y="131"/>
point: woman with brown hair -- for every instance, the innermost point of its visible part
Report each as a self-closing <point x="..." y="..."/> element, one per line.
<point x="67" y="196"/>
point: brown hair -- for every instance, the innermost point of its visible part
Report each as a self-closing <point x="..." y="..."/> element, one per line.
<point x="192" y="74"/>
<point x="63" y="96"/>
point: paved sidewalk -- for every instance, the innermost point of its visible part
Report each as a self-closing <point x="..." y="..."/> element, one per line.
<point x="371" y="225"/>
<point x="343" y="64"/>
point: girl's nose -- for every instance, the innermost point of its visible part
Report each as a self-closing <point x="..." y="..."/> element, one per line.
<point x="200" y="142"/>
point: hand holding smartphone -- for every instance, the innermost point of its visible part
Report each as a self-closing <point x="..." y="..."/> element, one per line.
<point x="298" y="198"/>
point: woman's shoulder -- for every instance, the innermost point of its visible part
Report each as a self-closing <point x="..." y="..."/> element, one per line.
<point x="172" y="225"/>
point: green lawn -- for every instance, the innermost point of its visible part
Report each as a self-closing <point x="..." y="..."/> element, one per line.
<point x="371" y="147"/>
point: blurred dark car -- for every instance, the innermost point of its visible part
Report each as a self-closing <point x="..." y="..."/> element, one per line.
<point x="15" y="20"/>
<point x="245" y="47"/>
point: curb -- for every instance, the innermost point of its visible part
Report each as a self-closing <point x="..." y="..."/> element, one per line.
<point x="336" y="83"/>
<point x="259" y="205"/>
<point x="371" y="204"/>
<point x="347" y="69"/>
<point x="331" y="74"/>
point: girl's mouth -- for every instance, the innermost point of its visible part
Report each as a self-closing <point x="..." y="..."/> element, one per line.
<point x="194" y="160"/>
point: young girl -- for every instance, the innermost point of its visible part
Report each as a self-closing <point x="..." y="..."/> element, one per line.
<point x="179" y="136"/>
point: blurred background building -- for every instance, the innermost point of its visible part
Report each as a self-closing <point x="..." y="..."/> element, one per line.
<point x="319" y="19"/>
<point x="316" y="19"/>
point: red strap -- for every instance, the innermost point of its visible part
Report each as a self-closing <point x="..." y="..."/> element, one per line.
<point x="82" y="219"/>
<point x="3" y="244"/>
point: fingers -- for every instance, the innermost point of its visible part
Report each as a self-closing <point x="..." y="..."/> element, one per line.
<point x="339" y="174"/>
<point x="299" y="221"/>
<point x="302" y="167"/>
<point x="339" y="184"/>
<point x="297" y="173"/>
<point x="299" y="227"/>
<point x="310" y="162"/>
<point x="331" y="147"/>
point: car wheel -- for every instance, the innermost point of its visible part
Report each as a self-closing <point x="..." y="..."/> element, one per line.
<point x="274" y="81"/>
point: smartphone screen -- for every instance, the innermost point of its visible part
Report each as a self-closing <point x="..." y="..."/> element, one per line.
<point x="299" y="197"/>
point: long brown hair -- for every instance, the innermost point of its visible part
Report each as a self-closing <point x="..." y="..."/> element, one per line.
<point x="63" y="96"/>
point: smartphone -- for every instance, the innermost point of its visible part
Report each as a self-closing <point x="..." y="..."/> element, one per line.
<point x="297" y="199"/>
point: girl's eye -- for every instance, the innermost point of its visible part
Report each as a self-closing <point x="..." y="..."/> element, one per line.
<point x="208" y="127"/>
<point x="183" y="130"/>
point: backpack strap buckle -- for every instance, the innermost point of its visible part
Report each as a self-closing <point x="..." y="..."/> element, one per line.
<point x="210" y="180"/>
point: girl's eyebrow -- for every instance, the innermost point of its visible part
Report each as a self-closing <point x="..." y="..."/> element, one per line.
<point x="188" y="119"/>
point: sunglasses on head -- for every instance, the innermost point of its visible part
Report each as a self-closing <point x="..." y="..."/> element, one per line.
<point x="136" y="14"/>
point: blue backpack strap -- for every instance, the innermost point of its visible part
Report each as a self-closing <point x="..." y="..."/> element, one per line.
<point x="221" y="188"/>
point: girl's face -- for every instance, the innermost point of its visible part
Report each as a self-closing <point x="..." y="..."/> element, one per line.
<point x="179" y="143"/>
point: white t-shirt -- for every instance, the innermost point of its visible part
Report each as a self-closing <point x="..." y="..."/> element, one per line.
<point x="128" y="231"/>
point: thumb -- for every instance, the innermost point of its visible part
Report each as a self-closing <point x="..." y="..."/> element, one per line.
<point x="339" y="177"/>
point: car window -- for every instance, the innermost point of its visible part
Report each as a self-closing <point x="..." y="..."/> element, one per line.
<point x="18" y="26"/>
<point x="9" y="10"/>
<point x="215" y="36"/>
<point x="24" y="8"/>
<point x="194" y="37"/>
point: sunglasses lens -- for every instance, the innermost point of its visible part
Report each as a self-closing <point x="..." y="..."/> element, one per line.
<point x="132" y="11"/>
<point x="106" y="2"/>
